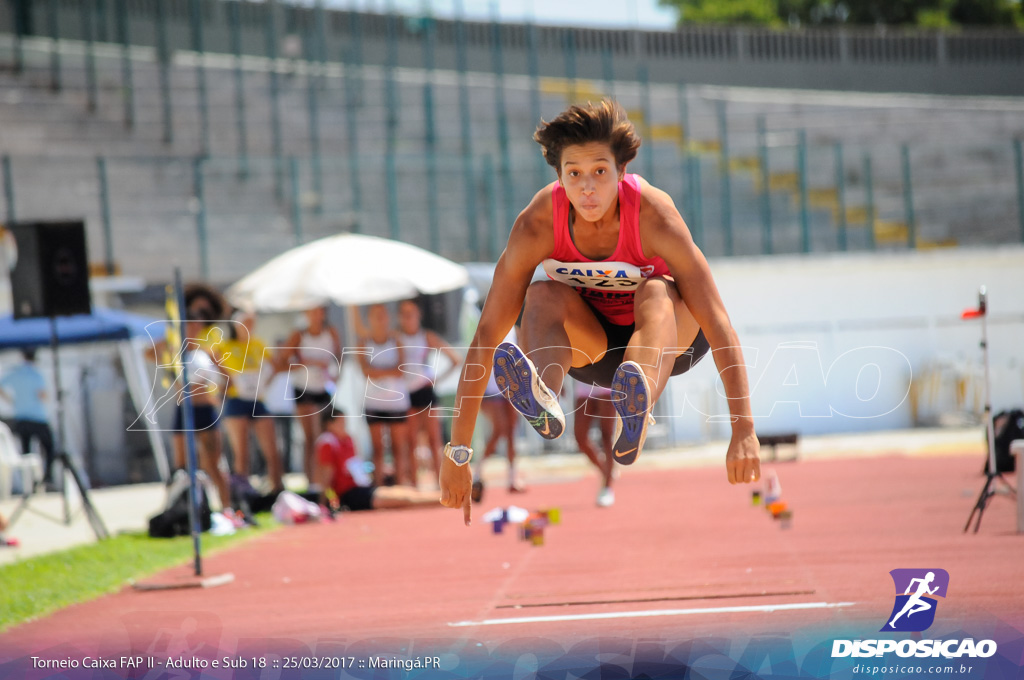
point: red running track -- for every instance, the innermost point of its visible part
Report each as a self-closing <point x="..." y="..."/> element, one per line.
<point x="675" y="540"/>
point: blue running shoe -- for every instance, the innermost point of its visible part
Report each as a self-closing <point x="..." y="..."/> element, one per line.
<point x="631" y="398"/>
<point x="519" y="381"/>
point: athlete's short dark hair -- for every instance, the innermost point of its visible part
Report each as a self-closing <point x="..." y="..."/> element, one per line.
<point x="329" y="414"/>
<point x="204" y="303"/>
<point x="602" y="122"/>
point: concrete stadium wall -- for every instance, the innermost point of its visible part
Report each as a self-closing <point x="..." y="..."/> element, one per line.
<point x="972" y="62"/>
<point x="962" y="159"/>
<point x="856" y="343"/>
<point x="851" y="343"/>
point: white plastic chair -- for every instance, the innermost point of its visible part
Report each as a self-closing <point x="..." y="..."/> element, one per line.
<point x="29" y="466"/>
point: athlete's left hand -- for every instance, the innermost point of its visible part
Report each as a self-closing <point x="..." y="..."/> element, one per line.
<point x="743" y="461"/>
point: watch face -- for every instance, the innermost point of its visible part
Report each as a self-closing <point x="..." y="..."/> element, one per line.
<point x="460" y="455"/>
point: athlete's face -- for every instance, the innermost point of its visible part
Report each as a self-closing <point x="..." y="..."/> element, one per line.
<point x="379" y="319"/>
<point x="409" y="317"/>
<point x="316" y="317"/>
<point x="590" y="179"/>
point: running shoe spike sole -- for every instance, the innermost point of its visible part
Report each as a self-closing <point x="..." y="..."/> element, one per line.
<point x="631" y="400"/>
<point x="517" y="378"/>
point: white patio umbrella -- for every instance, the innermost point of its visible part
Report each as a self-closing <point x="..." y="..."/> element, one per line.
<point x="347" y="269"/>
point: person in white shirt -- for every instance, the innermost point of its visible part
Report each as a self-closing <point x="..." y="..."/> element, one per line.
<point x="422" y="349"/>
<point x="386" y="401"/>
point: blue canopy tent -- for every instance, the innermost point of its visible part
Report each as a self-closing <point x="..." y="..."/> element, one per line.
<point x="101" y="326"/>
<point x="130" y="331"/>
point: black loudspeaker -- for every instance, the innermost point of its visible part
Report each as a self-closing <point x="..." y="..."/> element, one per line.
<point x="50" y="276"/>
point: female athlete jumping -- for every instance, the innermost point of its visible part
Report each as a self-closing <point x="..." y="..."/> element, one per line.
<point x="630" y="302"/>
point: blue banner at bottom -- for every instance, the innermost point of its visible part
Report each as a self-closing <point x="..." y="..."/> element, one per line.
<point x="995" y="653"/>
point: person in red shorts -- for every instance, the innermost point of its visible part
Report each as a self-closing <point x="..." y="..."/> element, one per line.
<point x="630" y="302"/>
<point x="343" y="473"/>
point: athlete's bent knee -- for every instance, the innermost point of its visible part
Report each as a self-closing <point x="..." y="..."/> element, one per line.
<point x="547" y="292"/>
<point x="656" y="287"/>
<point x="655" y="291"/>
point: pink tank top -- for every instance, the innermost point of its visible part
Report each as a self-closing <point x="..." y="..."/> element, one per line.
<point x="607" y="285"/>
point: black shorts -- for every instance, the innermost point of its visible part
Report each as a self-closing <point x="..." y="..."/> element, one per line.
<point x="602" y="372"/>
<point x="243" y="408"/>
<point x="384" y="417"/>
<point x="204" y="417"/>
<point x="422" y="398"/>
<point x="320" y="399"/>
<point x="358" y="498"/>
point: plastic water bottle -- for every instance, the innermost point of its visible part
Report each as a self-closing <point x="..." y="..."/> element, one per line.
<point x="774" y="492"/>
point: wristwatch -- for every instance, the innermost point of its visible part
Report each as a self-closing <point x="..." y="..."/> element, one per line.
<point x="459" y="455"/>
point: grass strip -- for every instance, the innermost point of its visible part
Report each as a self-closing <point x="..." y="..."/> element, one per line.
<point x="43" y="584"/>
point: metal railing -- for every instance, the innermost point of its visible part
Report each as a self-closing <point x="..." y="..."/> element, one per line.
<point x="767" y="192"/>
<point x="236" y="26"/>
<point x="784" y="198"/>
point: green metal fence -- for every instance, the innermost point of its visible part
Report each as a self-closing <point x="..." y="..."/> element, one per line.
<point x="289" y="98"/>
<point x="784" y="198"/>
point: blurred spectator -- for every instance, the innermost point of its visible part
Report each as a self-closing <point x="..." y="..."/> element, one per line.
<point x="387" y="398"/>
<point x="421" y="347"/>
<point x="247" y="361"/>
<point x="279" y="398"/>
<point x="204" y="390"/>
<point x="318" y="349"/>
<point x="503" y="418"/>
<point x="593" y="403"/>
<point x="204" y="307"/>
<point x="343" y="473"/>
<point x="25" y="387"/>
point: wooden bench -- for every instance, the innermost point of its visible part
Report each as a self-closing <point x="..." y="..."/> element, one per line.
<point x="774" y="441"/>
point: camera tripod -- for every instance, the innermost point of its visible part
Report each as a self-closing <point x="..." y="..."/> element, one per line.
<point x="992" y="474"/>
<point x="61" y="456"/>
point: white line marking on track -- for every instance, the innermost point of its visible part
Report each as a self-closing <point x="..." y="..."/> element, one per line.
<point x="655" y="612"/>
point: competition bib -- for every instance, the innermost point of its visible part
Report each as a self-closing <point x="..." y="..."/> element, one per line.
<point x="599" y="276"/>
<point x="606" y="286"/>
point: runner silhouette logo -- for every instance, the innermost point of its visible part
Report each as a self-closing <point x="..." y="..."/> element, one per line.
<point x="915" y="606"/>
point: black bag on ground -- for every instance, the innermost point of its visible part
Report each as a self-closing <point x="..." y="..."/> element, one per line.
<point x="174" y="520"/>
<point x="264" y="502"/>
<point x="1008" y="426"/>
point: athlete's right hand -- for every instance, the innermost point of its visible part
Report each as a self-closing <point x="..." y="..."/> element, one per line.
<point x="456" y="483"/>
<point x="743" y="461"/>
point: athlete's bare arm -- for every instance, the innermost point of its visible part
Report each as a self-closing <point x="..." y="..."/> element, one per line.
<point x="325" y="471"/>
<point x="435" y="341"/>
<point x="371" y="371"/>
<point x="290" y="352"/>
<point x="531" y="240"/>
<point x="365" y="356"/>
<point x="663" y="233"/>
<point x="335" y="343"/>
